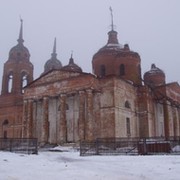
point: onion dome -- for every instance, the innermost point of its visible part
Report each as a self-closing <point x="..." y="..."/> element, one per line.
<point x="117" y="60"/>
<point x="19" y="52"/>
<point x="52" y="63"/>
<point x="72" y="66"/>
<point x="154" y="77"/>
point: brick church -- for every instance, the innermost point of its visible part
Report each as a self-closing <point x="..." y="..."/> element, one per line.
<point x="65" y="104"/>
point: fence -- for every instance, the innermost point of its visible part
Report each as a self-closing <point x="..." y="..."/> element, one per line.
<point x="22" y="145"/>
<point x="131" y="146"/>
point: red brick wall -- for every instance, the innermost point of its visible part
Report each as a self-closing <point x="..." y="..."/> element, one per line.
<point x="113" y="60"/>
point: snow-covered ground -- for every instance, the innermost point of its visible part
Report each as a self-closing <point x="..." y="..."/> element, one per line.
<point x="70" y="166"/>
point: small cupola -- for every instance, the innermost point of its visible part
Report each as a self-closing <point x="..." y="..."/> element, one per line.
<point x="154" y="77"/>
<point x="72" y="66"/>
<point x="53" y="62"/>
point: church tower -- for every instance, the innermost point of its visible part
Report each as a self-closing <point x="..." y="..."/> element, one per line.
<point x="17" y="73"/>
<point x="18" y="70"/>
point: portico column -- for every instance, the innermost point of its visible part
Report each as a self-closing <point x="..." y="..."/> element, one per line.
<point x="81" y="115"/>
<point x="89" y="122"/>
<point x="24" y="128"/>
<point x="166" y="119"/>
<point x="97" y="118"/>
<point x="29" y="118"/>
<point x="62" y="123"/>
<point x="45" y="126"/>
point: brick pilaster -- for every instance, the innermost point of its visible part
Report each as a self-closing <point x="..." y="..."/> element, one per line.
<point x="89" y="121"/>
<point x="81" y="115"/>
<point x="45" y="126"/>
<point x="29" y="118"/>
<point x="24" y="127"/>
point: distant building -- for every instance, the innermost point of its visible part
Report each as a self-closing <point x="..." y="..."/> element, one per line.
<point x="66" y="104"/>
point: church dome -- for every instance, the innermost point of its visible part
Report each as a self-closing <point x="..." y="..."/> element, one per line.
<point x="72" y="66"/>
<point x="19" y="52"/>
<point x="117" y="60"/>
<point x="154" y="76"/>
<point x="53" y="62"/>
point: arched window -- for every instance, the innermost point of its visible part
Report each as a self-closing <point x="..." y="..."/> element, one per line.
<point x="127" y="104"/>
<point x="10" y="82"/>
<point x="5" y="122"/>
<point x="128" y="126"/>
<point x="24" y="80"/>
<point x="102" y="70"/>
<point x="122" y="70"/>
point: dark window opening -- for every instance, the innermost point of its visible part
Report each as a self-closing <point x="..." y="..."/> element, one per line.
<point x="122" y="70"/>
<point x="102" y="70"/>
<point x="139" y="70"/>
<point x="127" y="104"/>
<point x="5" y="122"/>
<point x="128" y="126"/>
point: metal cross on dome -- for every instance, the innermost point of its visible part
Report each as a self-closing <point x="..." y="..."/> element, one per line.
<point x="112" y="23"/>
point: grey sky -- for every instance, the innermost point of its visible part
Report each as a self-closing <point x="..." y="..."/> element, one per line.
<point x="150" y="27"/>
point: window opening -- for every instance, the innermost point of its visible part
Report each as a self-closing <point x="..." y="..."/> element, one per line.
<point x="127" y="104"/>
<point x="122" y="70"/>
<point x="10" y="83"/>
<point x="5" y="122"/>
<point x="103" y="71"/>
<point x="24" y="81"/>
<point x="128" y="127"/>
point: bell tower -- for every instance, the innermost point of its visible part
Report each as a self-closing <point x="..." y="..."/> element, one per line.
<point x="18" y="70"/>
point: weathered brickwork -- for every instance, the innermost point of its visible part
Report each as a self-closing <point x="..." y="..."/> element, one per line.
<point x="11" y="121"/>
<point x="66" y="105"/>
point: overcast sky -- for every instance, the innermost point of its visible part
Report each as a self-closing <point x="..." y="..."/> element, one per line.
<point x="150" y="27"/>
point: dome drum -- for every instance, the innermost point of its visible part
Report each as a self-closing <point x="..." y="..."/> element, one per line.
<point x="123" y="64"/>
